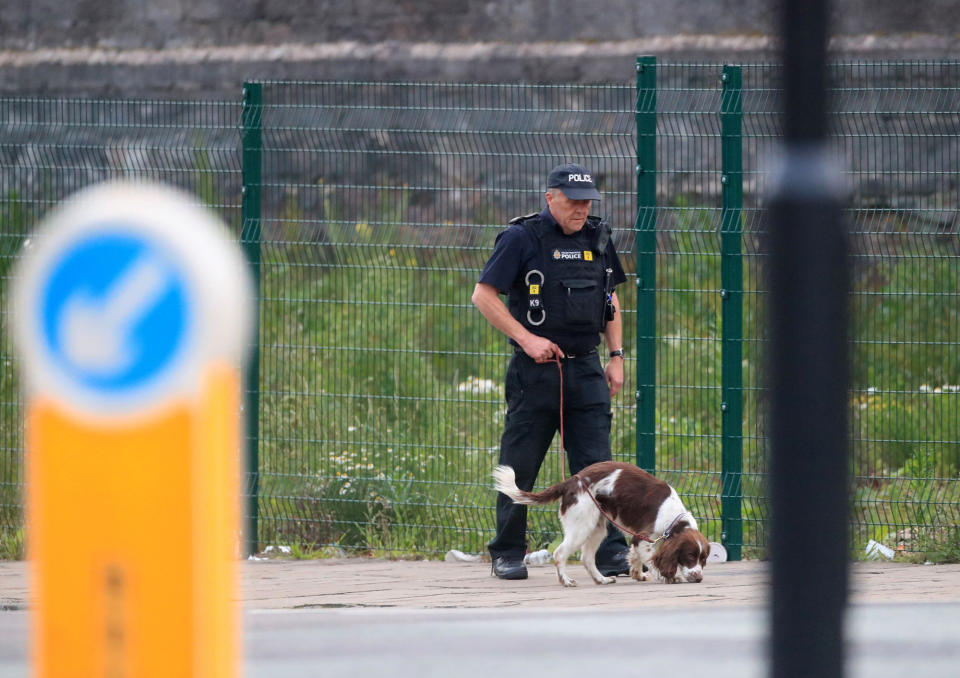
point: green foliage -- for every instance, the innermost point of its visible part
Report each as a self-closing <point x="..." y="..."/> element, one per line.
<point x="378" y="450"/>
<point x="906" y="386"/>
<point x="381" y="389"/>
<point x="17" y="218"/>
<point x="12" y="543"/>
<point x="938" y="546"/>
<point x="370" y="431"/>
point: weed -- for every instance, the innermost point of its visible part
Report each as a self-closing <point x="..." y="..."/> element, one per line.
<point x="12" y="543"/>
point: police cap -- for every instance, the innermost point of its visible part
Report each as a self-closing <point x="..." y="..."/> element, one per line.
<point x="575" y="181"/>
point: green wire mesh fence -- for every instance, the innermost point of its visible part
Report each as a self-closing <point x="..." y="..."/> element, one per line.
<point x="898" y="130"/>
<point x="50" y="148"/>
<point x="375" y="405"/>
<point x="381" y="387"/>
<point x="896" y="134"/>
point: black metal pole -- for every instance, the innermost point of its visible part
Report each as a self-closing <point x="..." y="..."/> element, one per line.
<point x="808" y="366"/>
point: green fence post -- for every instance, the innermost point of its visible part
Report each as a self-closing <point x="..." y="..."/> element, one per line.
<point x="731" y="274"/>
<point x="251" y="139"/>
<point x="645" y="241"/>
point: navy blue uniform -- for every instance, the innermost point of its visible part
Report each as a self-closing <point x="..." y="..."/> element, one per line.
<point x="533" y="389"/>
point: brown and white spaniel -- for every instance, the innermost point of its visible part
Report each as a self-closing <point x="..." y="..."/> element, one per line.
<point x="639" y="504"/>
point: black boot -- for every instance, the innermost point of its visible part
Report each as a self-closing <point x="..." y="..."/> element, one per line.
<point x="506" y="567"/>
<point x="616" y="565"/>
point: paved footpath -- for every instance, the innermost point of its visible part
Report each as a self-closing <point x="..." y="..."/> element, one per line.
<point x="354" y="616"/>
<point x="374" y="583"/>
<point x="356" y="582"/>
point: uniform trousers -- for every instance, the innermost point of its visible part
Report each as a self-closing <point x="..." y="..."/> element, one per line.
<point x="533" y="419"/>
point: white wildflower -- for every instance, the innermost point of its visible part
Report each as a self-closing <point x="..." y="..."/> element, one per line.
<point x="477" y="386"/>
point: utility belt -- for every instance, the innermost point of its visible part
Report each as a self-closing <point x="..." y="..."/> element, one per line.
<point x="566" y="356"/>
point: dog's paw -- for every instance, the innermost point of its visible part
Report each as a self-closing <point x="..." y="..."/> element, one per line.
<point x="567" y="581"/>
<point x="606" y="580"/>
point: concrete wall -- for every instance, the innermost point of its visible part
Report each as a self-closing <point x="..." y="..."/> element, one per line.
<point x="206" y="48"/>
<point x="26" y="24"/>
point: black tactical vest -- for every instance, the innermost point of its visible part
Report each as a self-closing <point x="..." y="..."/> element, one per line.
<point x="567" y="293"/>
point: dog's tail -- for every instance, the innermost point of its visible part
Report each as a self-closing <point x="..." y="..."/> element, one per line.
<point x="505" y="480"/>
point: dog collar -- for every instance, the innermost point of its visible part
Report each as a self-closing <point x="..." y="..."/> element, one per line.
<point x="667" y="533"/>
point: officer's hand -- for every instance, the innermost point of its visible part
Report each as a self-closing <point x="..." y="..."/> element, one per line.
<point x="541" y="349"/>
<point x="614" y="374"/>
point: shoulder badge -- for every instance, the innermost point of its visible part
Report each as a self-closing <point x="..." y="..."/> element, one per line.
<point x="517" y="220"/>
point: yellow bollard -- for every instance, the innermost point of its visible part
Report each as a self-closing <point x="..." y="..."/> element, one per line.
<point x="132" y="317"/>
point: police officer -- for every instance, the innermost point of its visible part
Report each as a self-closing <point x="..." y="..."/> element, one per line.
<point x="558" y="269"/>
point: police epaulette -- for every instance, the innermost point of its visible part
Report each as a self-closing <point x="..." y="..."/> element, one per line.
<point x="517" y="220"/>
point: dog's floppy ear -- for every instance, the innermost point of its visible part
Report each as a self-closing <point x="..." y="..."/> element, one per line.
<point x="705" y="547"/>
<point x="665" y="559"/>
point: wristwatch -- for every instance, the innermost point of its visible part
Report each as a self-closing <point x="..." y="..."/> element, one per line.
<point x="617" y="352"/>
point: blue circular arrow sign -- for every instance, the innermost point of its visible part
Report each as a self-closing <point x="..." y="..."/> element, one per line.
<point x="114" y="312"/>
